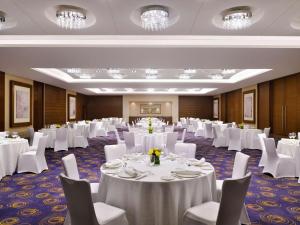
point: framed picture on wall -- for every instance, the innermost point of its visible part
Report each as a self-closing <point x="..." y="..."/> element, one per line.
<point x="20" y="104"/>
<point x="150" y="109"/>
<point x="249" y="106"/>
<point x="216" y="108"/>
<point x="71" y="107"/>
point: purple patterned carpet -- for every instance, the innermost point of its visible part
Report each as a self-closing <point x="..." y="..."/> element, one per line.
<point x="39" y="199"/>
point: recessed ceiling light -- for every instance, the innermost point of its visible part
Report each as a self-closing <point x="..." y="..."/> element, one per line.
<point x="129" y="89"/>
<point x="108" y="89"/>
<point x="151" y="76"/>
<point x="113" y="71"/>
<point x="85" y="76"/>
<point x="151" y="71"/>
<point x="70" y="17"/>
<point x="228" y="71"/>
<point x="73" y="70"/>
<point x="155" y="18"/>
<point x="216" y="76"/>
<point x="117" y="76"/>
<point x="172" y="89"/>
<point x="190" y="71"/>
<point x="185" y="76"/>
<point x="150" y="89"/>
<point x="237" y="18"/>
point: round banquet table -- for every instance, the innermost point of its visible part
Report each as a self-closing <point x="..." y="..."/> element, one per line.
<point x="152" y="201"/>
<point x="249" y="138"/>
<point x="148" y="141"/>
<point x="10" y="149"/>
<point x="291" y="148"/>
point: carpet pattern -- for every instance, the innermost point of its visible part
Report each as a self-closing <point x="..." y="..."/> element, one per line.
<point x="38" y="198"/>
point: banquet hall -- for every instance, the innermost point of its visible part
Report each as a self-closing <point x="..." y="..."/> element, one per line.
<point x="149" y="112"/>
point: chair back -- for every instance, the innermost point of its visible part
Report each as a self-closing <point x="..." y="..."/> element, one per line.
<point x="298" y="135"/>
<point x="267" y="131"/>
<point x="117" y="136"/>
<point x="129" y="139"/>
<point x="92" y="133"/>
<point x="215" y="134"/>
<point x="240" y="165"/>
<point x="36" y="138"/>
<point x="41" y="146"/>
<point x="3" y="134"/>
<point x="234" y="133"/>
<point x="30" y="135"/>
<point x="187" y="150"/>
<point x="171" y="141"/>
<point x="232" y="200"/>
<point x="261" y="141"/>
<point x="79" y="201"/>
<point x="229" y="125"/>
<point x="208" y="130"/>
<point x="61" y="134"/>
<point x="70" y="167"/>
<point x="114" y="151"/>
<point x="271" y="149"/>
<point x="183" y="135"/>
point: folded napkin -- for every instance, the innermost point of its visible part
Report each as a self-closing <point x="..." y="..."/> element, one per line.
<point x="131" y="171"/>
<point x="186" y="172"/>
<point x="172" y="156"/>
<point x="114" y="163"/>
<point x="196" y="162"/>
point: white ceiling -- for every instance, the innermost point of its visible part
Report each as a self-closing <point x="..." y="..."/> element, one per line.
<point x="192" y="42"/>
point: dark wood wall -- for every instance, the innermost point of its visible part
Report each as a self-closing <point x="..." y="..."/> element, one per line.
<point x="196" y="106"/>
<point x="104" y="106"/>
<point x="81" y="106"/>
<point x="55" y="105"/>
<point x="2" y="100"/>
<point x="231" y="106"/>
<point x="263" y="109"/>
<point x="38" y="105"/>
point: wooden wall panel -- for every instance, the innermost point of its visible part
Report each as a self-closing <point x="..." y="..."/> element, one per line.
<point x="223" y="107"/>
<point x="234" y="106"/>
<point x="263" y="105"/>
<point x="2" y="100"/>
<point x="55" y="105"/>
<point x="81" y="106"/>
<point x="196" y="106"/>
<point x="104" y="106"/>
<point x="38" y="105"/>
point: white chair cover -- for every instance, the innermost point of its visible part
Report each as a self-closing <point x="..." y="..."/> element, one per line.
<point x="81" y="208"/>
<point x="3" y="134"/>
<point x="129" y="140"/>
<point x="278" y="165"/>
<point x="34" y="161"/>
<point x="118" y="137"/>
<point x="35" y="142"/>
<point x="183" y="136"/>
<point x="171" y="141"/>
<point x="61" y="140"/>
<point x="219" y="138"/>
<point x="208" y="133"/>
<point x="169" y="129"/>
<point x="114" y="151"/>
<point x="299" y="138"/>
<point x="235" y="142"/>
<point x="30" y="135"/>
<point x="92" y="132"/>
<point x="267" y="131"/>
<point x="100" y="132"/>
<point x="80" y="139"/>
<point x="263" y="158"/>
<point x="187" y="150"/>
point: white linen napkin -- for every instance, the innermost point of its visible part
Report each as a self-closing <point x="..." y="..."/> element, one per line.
<point x="114" y="163"/>
<point x="196" y="162"/>
<point x="131" y="171"/>
<point x="186" y="172"/>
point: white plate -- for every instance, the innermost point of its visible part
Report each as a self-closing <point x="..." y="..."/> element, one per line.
<point x="167" y="178"/>
<point x="186" y="175"/>
<point x="123" y="174"/>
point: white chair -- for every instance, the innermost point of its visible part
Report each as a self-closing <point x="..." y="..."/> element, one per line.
<point x="267" y="131"/>
<point x="190" y="128"/>
<point x="299" y="138"/>
<point x="3" y="134"/>
<point x="82" y="210"/>
<point x="263" y="158"/>
<point x="170" y="143"/>
<point x="227" y="212"/>
<point x="114" y="151"/>
<point x="169" y="129"/>
<point x="187" y="150"/>
<point x="30" y="135"/>
<point x="111" y="128"/>
<point x="35" y="142"/>
<point x="235" y="141"/>
<point x="200" y="130"/>
<point x="131" y="146"/>
<point x="118" y="137"/>
<point x="182" y="137"/>
<point x="80" y="137"/>
<point x="208" y="133"/>
<point x="61" y="140"/>
<point x="92" y="132"/>
<point x="71" y="171"/>
<point x="219" y="139"/>
<point x="34" y="161"/>
<point x="278" y="165"/>
<point x="239" y="170"/>
<point x="101" y="132"/>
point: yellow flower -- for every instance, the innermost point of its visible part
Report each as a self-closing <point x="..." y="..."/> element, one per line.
<point x="150" y="152"/>
<point x="157" y="153"/>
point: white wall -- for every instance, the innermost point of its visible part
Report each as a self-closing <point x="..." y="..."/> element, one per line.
<point x="130" y="109"/>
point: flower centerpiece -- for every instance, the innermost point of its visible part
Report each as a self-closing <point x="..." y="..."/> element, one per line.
<point x="154" y="154"/>
<point x="58" y="126"/>
<point x="150" y="128"/>
<point x="241" y="126"/>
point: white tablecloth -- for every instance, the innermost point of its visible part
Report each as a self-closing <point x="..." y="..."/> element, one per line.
<point x="9" y="154"/>
<point x="148" y="141"/>
<point x="152" y="201"/>
<point x="249" y="138"/>
<point x="290" y="148"/>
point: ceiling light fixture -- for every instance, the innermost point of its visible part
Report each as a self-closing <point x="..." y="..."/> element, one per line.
<point x="73" y="70"/>
<point x="185" y="76"/>
<point x="228" y="71"/>
<point x="217" y="76"/>
<point x="70" y="17"/>
<point x="111" y="71"/>
<point x="151" y="76"/>
<point x="151" y="71"/>
<point x="155" y="18"/>
<point x="2" y="19"/>
<point x="190" y="71"/>
<point x="85" y="76"/>
<point x="117" y="76"/>
<point x="129" y="89"/>
<point x="237" y="18"/>
<point x="150" y="90"/>
<point x="108" y="89"/>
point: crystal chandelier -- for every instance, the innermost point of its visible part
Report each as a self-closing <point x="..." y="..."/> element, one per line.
<point x="70" y="18"/>
<point x="155" y="18"/>
<point x="2" y="20"/>
<point x="237" y="18"/>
